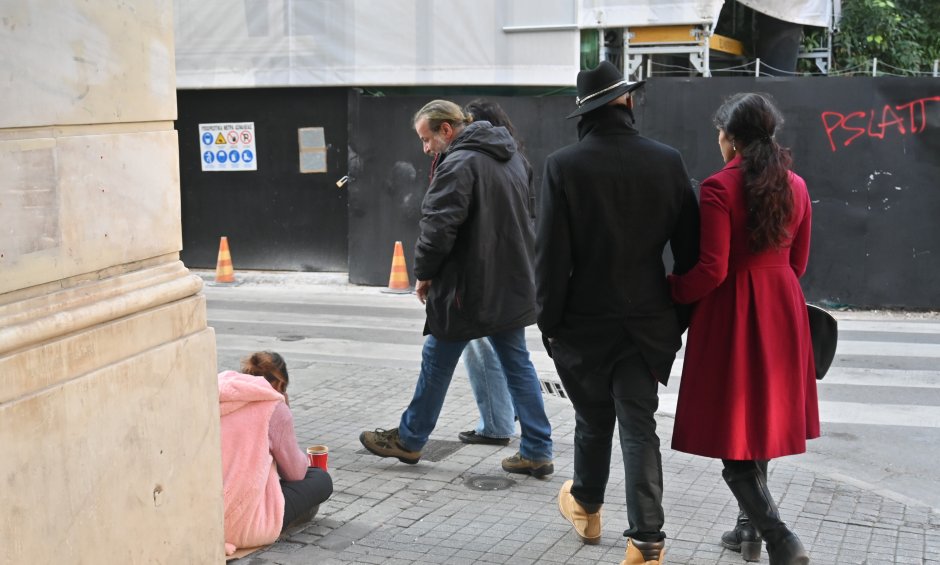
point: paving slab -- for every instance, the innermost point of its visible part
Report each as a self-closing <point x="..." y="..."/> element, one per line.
<point x="383" y="511"/>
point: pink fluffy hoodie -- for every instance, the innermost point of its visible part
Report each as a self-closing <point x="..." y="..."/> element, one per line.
<point x="254" y="503"/>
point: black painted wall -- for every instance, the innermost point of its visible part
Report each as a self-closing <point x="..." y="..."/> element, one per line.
<point x="873" y="182"/>
<point x="390" y="173"/>
<point x="869" y="149"/>
<point x="275" y="218"/>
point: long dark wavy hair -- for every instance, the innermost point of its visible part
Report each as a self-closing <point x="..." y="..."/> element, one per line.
<point x="752" y="121"/>
<point x="483" y="109"/>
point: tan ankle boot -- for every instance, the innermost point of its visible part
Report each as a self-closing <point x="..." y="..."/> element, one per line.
<point x="587" y="526"/>
<point x="645" y="553"/>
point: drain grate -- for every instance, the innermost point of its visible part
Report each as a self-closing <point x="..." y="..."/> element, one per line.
<point x="438" y="449"/>
<point x="434" y="450"/>
<point x="553" y="388"/>
<point x="488" y="482"/>
<point x="291" y="337"/>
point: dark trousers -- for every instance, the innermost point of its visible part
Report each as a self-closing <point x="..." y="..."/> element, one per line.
<point x="625" y="394"/>
<point x="301" y="498"/>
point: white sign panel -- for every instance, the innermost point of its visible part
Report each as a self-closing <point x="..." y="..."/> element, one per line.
<point x="228" y="147"/>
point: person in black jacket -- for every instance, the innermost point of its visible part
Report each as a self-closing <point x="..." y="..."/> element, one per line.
<point x="474" y="269"/>
<point x="497" y="421"/>
<point x="609" y="205"/>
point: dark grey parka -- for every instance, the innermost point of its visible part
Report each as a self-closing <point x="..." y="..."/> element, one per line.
<point x="476" y="242"/>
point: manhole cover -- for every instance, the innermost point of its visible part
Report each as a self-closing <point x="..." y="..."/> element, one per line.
<point x="488" y="482"/>
<point x="434" y="450"/>
<point x="291" y="337"/>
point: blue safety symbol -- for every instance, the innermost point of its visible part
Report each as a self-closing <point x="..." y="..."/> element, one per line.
<point x="222" y="156"/>
<point x="247" y="155"/>
<point x="208" y="157"/>
<point x="233" y="155"/>
<point x="207" y="138"/>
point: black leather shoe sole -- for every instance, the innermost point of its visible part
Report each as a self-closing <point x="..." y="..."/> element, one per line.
<point x="473" y="437"/>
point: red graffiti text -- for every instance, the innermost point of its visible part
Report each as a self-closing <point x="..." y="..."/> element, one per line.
<point x="903" y="119"/>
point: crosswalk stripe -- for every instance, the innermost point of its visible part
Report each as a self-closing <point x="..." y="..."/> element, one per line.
<point x="883" y="377"/>
<point x="889" y="326"/>
<point x="415" y="325"/>
<point x="324" y="321"/>
<point x="348" y="349"/>
<point x="408" y="356"/>
<point x="887" y="349"/>
<point x="906" y="415"/>
<point x="871" y="340"/>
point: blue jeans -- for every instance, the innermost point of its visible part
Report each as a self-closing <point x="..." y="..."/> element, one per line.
<point x="488" y="381"/>
<point x="438" y="361"/>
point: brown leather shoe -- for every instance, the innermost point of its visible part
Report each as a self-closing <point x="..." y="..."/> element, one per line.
<point x="587" y="526"/>
<point x="385" y="443"/>
<point x="519" y="464"/>
<point x="645" y="552"/>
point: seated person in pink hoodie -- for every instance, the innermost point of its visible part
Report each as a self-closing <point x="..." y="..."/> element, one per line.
<point x="266" y="483"/>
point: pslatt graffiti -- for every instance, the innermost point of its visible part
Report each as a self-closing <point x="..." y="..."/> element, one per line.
<point x="892" y="119"/>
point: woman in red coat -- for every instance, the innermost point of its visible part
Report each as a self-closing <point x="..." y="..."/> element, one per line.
<point x="748" y="391"/>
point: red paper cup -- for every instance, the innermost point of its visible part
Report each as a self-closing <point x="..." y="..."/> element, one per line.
<point x="317" y="456"/>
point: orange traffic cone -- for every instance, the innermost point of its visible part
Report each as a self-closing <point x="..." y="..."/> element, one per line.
<point x="398" y="278"/>
<point x="224" y="274"/>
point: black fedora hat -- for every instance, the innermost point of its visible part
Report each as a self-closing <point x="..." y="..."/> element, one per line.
<point x="599" y="86"/>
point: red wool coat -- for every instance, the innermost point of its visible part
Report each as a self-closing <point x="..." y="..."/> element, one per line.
<point x="748" y="387"/>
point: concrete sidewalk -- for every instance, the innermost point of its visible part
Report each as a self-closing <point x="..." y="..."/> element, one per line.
<point x="383" y="511"/>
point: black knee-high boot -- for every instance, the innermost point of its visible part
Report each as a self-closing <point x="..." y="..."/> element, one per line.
<point x="744" y="537"/>
<point x="748" y="486"/>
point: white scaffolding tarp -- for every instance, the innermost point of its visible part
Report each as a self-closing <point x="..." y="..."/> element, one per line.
<point x="273" y="43"/>
<point x="637" y="13"/>
<point x="817" y="13"/>
<point x="255" y="43"/>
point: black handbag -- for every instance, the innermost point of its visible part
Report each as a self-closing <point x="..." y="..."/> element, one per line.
<point x="824" y="330"/>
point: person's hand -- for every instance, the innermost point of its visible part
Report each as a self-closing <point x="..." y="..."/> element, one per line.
<point x="548" y="342"/>
<point x="421" y="289"/>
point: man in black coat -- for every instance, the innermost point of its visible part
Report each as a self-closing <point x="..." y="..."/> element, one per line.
<point x="610" y="203"/>
<point x="474" y="267"/>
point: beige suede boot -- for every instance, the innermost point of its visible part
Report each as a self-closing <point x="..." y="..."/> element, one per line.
<point x="645" y="552"/>
<point x="587" y="526"/>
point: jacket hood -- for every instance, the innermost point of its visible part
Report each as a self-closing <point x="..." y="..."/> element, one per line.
<point x="484" y="137"/>
<point x="236" y="390"/>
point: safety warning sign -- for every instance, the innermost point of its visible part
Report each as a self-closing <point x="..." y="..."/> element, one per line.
<point x="228" y="147"/>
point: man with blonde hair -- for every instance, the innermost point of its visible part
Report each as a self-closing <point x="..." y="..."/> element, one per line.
<point x="474" y="267"/>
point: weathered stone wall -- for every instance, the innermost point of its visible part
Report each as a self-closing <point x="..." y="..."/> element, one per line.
<point x="109" y="426"/>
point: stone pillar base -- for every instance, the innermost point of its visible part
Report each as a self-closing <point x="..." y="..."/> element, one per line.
<point x="109" y="420"/>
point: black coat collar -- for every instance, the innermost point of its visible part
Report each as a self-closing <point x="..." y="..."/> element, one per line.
<point x="607" y="120"/>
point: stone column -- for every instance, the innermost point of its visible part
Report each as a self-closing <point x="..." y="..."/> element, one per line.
<point x="109" y="419"/>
